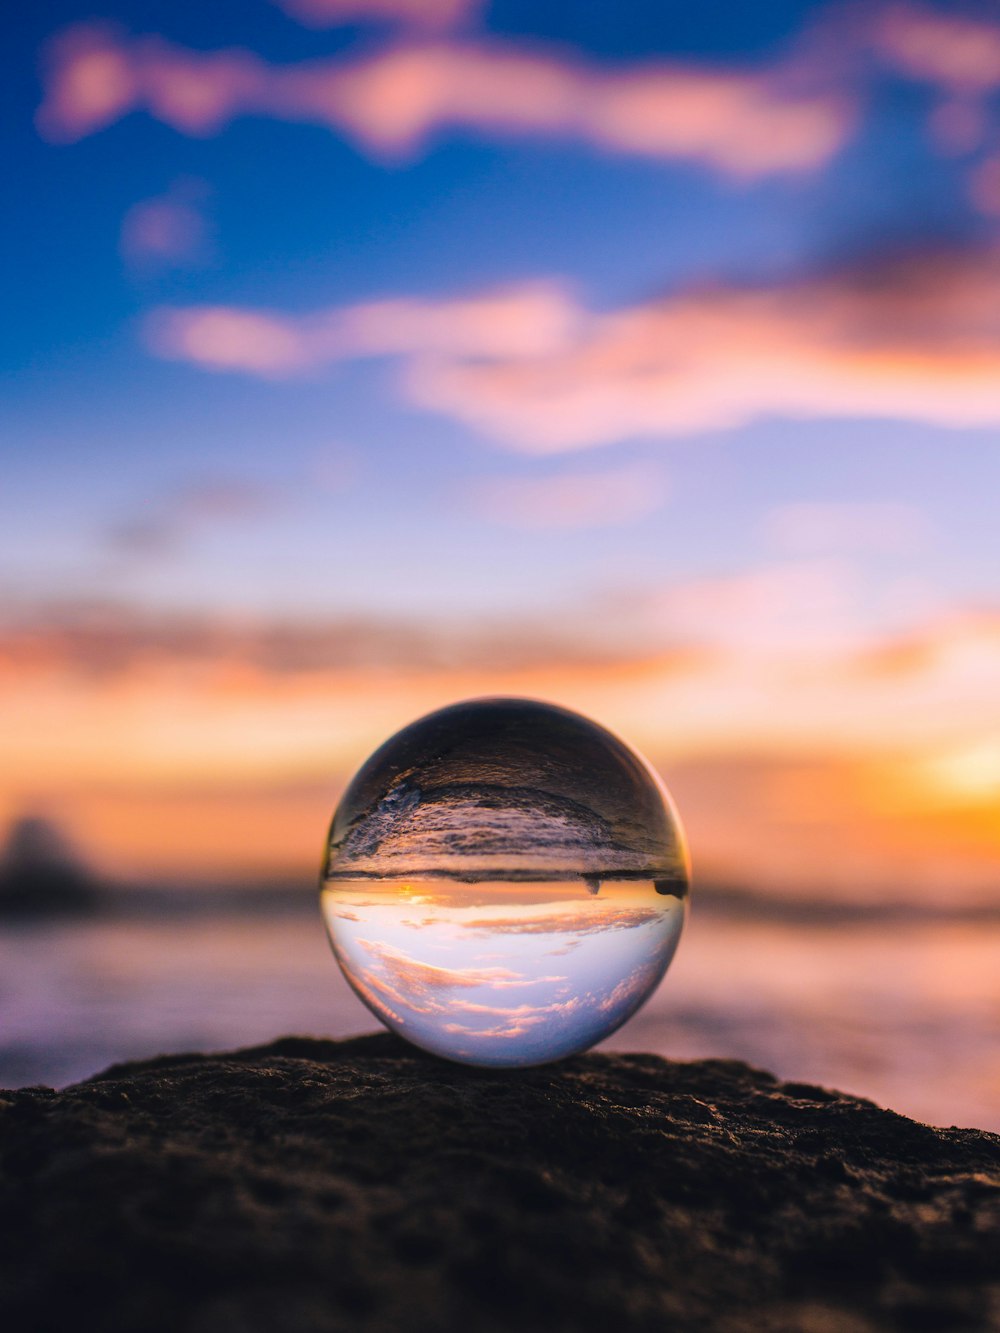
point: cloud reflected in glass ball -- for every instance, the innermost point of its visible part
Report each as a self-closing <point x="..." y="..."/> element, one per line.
<point x="505" y="882"/>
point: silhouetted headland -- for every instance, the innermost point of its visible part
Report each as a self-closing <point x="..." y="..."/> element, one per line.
<point x="39" y="874"/>
<point x="311" y="1186"/>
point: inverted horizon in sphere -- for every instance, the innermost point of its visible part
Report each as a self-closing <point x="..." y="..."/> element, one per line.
<point x="479" y="976"/>
<point x="505" y="882"/>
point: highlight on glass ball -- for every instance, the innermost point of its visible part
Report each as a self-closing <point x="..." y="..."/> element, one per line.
<point x="505" y="882"/>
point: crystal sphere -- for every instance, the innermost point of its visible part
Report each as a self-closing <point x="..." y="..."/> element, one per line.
<point x="505" y="882"/>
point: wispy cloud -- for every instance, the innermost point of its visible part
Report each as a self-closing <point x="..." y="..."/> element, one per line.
<point x="914" y="337"/>
<point x="416" y="13"/>
<point x="427" y="978"/>
<point x="601" y="498"/>
<point x="844" y="526"/>
<point x="107" y="640"/>
<point x="163" y="525"/>
<point x="196" y="743"/>
<point x="790" y="608"/>
<point x="482" y="1004"/>
<point x="957" y="126"/>
<point x="744" y="123"/>
<point x="167" y="229"/>
<point x="577" y="920"/>
<point x="413" y="988"/>
<point x="985" y="186"/>
<point x="632" y="990"/>
<point x="958" y="52"/>
<point x="531" y="320"/>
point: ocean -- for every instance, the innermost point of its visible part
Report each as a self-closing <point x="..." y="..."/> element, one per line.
<point x="900" y="1007"/>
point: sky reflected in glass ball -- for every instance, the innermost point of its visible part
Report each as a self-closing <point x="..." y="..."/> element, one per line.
<point x="505" y="882"/>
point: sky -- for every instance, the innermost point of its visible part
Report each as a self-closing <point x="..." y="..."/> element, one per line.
<point x="502" y="974"/>
<point x="364" y="355"/>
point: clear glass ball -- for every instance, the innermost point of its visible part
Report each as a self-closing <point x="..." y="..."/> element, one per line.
<point x="505" y="882"/>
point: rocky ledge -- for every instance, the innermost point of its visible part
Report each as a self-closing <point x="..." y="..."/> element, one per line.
<point x="310" y="1186"/>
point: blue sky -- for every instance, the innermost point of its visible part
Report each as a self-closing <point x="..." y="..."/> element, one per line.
<point x="626" y="329"/>
<point x="296" y="219"/>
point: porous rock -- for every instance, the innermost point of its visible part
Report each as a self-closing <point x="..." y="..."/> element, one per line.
<point x="310" y="1186"/>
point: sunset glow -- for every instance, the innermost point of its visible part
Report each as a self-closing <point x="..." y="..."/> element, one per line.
<point x="373" y="354"/>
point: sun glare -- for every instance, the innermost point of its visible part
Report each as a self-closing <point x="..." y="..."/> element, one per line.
<point x="970" y="773"/>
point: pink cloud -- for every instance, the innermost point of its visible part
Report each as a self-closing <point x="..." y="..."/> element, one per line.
<point x="417" y="13"/>
<point x="167" y="229"/>
<point x="957" y="52"/>
<point x="426" y="977"/>
<point x="845" y="526"/>
<point x="91" y="82"/>
<point x="744" y="123"/>
<point x="509" y="1029"/>
<point x="221" y="338"/>
<point x="914" y="337"/>
<point x="958" y="126"/>
<point x="985" y="187"/>
<point x="574" y="500"/>
<point x="95" y="75"/>
<point x="740" y="122"/>
<point x="630" y="992"/>
<point x="528" y="321"/>
<point x="404" y="986"/>
<point x="790" y="608"/>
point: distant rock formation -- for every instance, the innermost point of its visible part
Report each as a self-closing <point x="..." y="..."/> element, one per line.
<point x="363" y="1187"/>
<point x="39" y="873"/>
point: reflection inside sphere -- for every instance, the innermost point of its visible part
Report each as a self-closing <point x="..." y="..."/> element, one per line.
<point x="505" y="882"/>
<point x="502" y="973"/>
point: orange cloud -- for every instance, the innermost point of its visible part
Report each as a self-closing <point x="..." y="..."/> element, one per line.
<point x="418" y="13"/>
<point x="105" y="641"/>
<point x="579" y="921"/>
<point x="573" y="500"/>
<point x="744" y="123"/>
<point x="914" y="337"/>
<point x="458" y="895"/>
<point x="184" y="746"/>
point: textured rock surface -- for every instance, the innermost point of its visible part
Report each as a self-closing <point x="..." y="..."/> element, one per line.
<point x="360" y="1185"/>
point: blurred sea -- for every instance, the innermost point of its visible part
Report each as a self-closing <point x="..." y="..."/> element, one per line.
<point x="900" y="1007"/>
